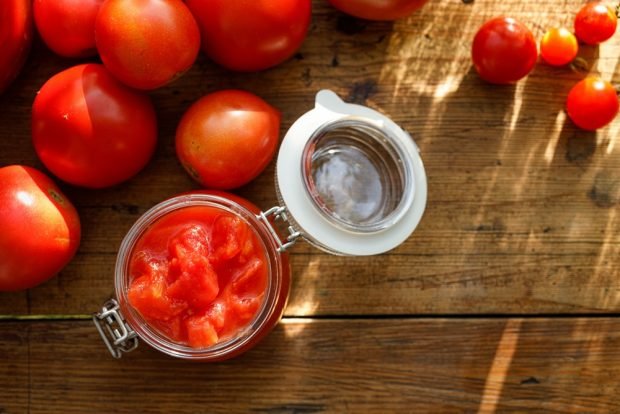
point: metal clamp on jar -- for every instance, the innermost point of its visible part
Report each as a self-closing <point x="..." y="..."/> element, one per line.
<point x="349" y="181"/>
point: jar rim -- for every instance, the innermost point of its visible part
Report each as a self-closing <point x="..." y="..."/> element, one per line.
<point x="157" y="339"/>
<point x="396" y="152"/>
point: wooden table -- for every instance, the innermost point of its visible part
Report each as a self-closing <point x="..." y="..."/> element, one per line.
<point x="505" y="299"/>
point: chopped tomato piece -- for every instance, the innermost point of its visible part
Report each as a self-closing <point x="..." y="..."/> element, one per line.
<point x="217" y="315"/>
<point x="197" y="282"/>
<point x="244" y="307"/>
<point x="200" y="332"/>
<point x="148" y="295"/>
<point x="245" y="282"/>
<point x="228" y="238"/>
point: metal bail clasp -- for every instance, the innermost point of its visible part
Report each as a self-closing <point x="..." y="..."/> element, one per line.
<point x="116" y="335"/>
<point x="279" y="213"/>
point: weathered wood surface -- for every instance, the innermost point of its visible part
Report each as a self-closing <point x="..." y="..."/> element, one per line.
<point x="522" y="211"/>
<point x="522" y="218"/>
<point x="329" y="366"/>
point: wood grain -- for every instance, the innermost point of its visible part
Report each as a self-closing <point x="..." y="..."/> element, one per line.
<point x="522" y="212"/>
<point x="332" y="366"/>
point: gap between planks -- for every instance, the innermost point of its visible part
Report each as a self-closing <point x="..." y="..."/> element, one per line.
<point x="303" y="318"/>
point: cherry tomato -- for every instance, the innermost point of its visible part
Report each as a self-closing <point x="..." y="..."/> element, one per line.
<point x="592" y="103"/>
<point x="227" y="138"/>
<point x="595" y="23"/>
<point x="147" y="44"/>
<point x="558" y="47"/>
<point x="504" y="50"/>
<point x="378" y="9"/>
<point x="251" y="35"/>
<point x="15" y="38"/>
<point x="40" y="228"/>
<point x="90" y="130"/>
<point x="67" y="26"/>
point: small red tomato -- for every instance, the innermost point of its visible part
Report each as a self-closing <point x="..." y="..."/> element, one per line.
<point x="15" y="38"/>
<point x="146" y="44"/>
<point x="40" y="228"/>
<point x="504" y="50"/>
<point x="592" y="103"/>
<point x="378" y="9"/>
<point x="595" y="23"/>
<point x="91" y="130"/>
<point x="67" y="26"/>
<point x="558" y="47"/>
<point x="227" y="138"/>
<point x="251" y="35"/>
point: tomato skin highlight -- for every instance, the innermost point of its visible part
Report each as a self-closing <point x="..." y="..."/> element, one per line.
<point x="227" y="138"/>
<point x="90" y="130"/>
<point x="40" y="228"/>
<point x="595" y="23"/>
<point x="592" y="103"/>
<point x="504" y="50"/>
<point x="16" y="32"/>
<point x="251" y="35"/>
<point x="378" y="9"/>
<point x="68" y="26"/>
<point x="147" y="44"/>
<point x="558" y="47"/>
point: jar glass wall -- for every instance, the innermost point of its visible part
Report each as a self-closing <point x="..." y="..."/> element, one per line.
<point x="269" y="313"/>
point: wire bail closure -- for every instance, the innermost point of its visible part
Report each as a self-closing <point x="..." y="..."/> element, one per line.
<point x="118" y="337"/>
<point x="280" y="213"/>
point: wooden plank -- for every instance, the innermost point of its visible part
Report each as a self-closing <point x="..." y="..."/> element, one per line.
<point x="522" y="212"/>
<point x="397" y="284"/>
<point x="337" y="366"/>
<point x="14" y="367"/>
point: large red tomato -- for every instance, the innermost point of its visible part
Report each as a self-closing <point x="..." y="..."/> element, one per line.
<point x="147" y="43"/>
<point x="251" y="35"/>
<point x="67" y="26"/>
<point x="15" y="38"/>
<point x="40" y="228"/>
<point x="227" y="138"/>
<point x="504" y="50"/>
<point x="378" y="9"/>
<point x="592" y="103"/>
<point x="90" y="130"/>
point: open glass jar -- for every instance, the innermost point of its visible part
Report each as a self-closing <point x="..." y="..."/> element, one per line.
<point x="349" y="181"/>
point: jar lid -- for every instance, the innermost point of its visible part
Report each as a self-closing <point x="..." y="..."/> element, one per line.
<point x="352" y="181"/>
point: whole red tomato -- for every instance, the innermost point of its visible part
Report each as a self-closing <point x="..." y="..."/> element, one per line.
<point x="146" y="44"/>
<point x="595" y="23"/>
<point x="90" y="130"/>
<point x="378" y="9"/>
<point x="251" y="35"/>
<point x="592" y="103"/>
<point x="558" y="46"/>
<point x="67" y="26"/>
<point x="40" y="228"/>
<point x="15" y="38"/>
<point x="504" y="50"/>
<point x="227" y="138"/>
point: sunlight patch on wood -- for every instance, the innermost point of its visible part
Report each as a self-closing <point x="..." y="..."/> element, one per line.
<point x="305" y="302"/>
<point x="516" y="106"/>
<point x="554" y="137"/>
<point x="499" y="369"/>
<point x="294" y="326"/>
<point x="613" y="132"/>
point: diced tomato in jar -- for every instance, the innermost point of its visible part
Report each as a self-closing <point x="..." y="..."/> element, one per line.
<point x="199" y="275"/>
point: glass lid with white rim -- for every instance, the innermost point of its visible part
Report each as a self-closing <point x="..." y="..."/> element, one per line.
<point x="351" y="180"/>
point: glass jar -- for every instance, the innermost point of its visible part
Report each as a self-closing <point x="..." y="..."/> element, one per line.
<point x="349" y="181"/>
